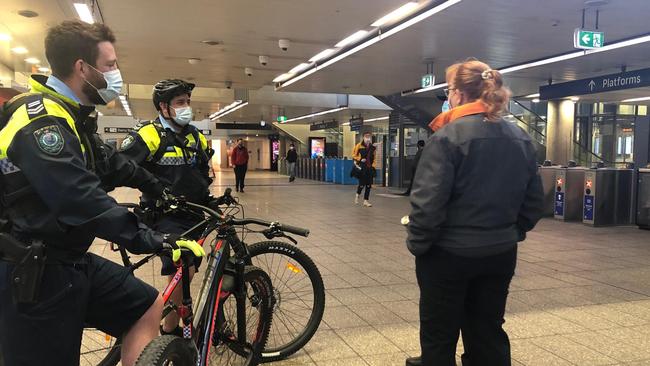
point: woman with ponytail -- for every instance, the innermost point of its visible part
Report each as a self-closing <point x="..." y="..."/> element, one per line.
<point x="476" y="194"/>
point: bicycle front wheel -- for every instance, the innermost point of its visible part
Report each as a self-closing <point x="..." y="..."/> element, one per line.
<point x="99" y="349"/>
<point x="299" y="297"/>
<point x="168" y="350"/>
<point x="227" y="349"/>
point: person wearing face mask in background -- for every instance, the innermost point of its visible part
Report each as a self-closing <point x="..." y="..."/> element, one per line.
<point x="364" y="159"/>
<point x="292" y="157"/>
<point x="56" y="206"/>
<point x="178" y="154"/>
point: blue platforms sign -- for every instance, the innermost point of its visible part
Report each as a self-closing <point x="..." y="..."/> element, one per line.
<point x="599" y="84"/>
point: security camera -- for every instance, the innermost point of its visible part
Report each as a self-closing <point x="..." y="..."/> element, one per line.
<point x="284" y="44"/>
<point x="264" y="60"/>
<point x="228" y="84"/>
<point x="248" y="71"/>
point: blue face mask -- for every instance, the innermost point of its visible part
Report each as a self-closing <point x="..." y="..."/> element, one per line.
<point x="183" y="116"/>
<point x="113" y="87"/>
<point x="445" y="106"/>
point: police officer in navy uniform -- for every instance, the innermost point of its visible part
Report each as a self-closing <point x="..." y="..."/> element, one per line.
<point x="51" y="195"/>
<point x="178" y="154"/>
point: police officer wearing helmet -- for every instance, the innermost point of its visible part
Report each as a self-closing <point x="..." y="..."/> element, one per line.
<point x="178" y="154"/>
<point x="56" y="205"/>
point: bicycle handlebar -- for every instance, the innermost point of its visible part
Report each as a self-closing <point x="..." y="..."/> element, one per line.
<point x="276" y="225"/>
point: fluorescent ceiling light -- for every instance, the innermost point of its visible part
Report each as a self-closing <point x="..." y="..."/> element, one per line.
<point x="19" y="50"/>
<point x="574" y="99"/>
<point x="373" y="40"/>
<point x="396" y="14"/>
<point x="32" y="60"/>
<point x="323" y="54"/>
<point x="84" y="13"/>
<point x="635" y="100"/>
<point x="613" y="46"/>
<point x="545" y="61"/>
<point x="536" y="100"/>
<point x="536" y="95"/>
<point x="352" y="38"/>
<point x="316" y="114"/>
<point x="303" y="66"/>
<point x="376" y="119"/>
<point x="228" y="109"/>
<point x="44" y="69"/>
<point x="283" y="77"/>
<point x="345" y="124"/>
<point x="5" y="37"/>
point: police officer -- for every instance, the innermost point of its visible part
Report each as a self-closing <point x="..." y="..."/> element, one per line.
<point x="51" y="195"/>
<point x="178" y="154"/>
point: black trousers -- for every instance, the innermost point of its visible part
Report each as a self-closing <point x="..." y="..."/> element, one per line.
<point x="469" y="294"/>
<point x="240" y="175"/>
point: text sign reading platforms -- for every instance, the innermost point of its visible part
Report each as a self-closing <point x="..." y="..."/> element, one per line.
<point x="599" y="84"/>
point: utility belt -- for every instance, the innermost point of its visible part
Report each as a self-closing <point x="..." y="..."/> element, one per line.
<point x="29" y="263"/>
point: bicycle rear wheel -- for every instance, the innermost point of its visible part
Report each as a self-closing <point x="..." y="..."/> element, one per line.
<point x="299" y="297"/>
<point x="99" y="348"/>
<point x="168" y="350"/>
<point x="226" y="349"/>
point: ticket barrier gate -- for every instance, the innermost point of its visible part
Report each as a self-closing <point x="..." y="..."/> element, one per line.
<point x="568" y="193"/>
<point x="547" y="173"/>
<point x="320" y="169"/>
<point x="609" y="197"/>
<point x="643" y="199"/>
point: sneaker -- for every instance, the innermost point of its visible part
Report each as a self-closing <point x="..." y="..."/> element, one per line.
<point x="414" y="361"/>
<point x="367" y="203"/>
<point x="356" y="199"/>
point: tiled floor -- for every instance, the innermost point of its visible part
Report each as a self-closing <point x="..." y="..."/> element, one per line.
<point x="581" y="295"/>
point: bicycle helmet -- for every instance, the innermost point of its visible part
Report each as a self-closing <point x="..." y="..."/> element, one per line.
<point x="165" y="90"/>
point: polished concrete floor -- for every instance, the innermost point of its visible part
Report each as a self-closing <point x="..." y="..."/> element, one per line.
<point x="581" y="295"/>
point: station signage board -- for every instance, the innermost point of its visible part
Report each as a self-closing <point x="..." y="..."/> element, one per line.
<point x="599" y="84"/>
<point x="324" y="125"/>
<point x="356" y="123"/>
<point x="587" y="40"/>
<point x="117" y="129"/>
<point x="206" y="132"/>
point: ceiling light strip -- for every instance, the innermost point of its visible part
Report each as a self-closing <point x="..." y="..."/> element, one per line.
<point x="396" y="14"/>
<point x="643" y="99"/>
<point x="554" y="59"/>
<point x="376" y="119"/>
<point x="316" y="114"/>
<point x="84" y="13"/>
<point x="229" y="109"/>
<point x="380" y="36"/>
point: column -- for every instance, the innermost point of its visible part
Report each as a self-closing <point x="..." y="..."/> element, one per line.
<point x="559" y="130"/>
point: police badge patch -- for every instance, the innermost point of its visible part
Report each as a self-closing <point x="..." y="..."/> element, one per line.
<point x="128" y="141"/>
<point x="49" y="139"/>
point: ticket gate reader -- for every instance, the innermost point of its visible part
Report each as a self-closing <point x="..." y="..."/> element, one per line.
<point x="643" y="199"/>
<point x="568" y="193"/>
<point x="547" y="174"/>
<point x="609" y="197"/>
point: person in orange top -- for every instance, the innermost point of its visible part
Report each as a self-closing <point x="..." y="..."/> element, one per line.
<point x="364" y="158"/>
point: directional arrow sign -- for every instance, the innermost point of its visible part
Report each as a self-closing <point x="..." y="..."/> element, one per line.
<point x="585" y="39"/>
<point x="592" y="85"/>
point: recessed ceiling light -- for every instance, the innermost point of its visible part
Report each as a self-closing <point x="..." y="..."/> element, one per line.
<point x="32" y="60"/>
<point x="28" y="13"/>
<point x="19" y="50"/>
<point x="536" y="100"/>
<point x="575" y="99"/>
<point x="5" y="37"/>
<point x="211" y="42"/>
<point x="44" y="69"/>
<point x="193" y="61"/>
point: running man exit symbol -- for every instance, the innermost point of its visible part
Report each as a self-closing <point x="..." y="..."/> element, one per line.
<point x="584" y="39"/>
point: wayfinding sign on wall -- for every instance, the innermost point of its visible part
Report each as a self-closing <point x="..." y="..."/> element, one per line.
<point x="427" y="80"/>
<point x="598" y="84"/>
<point x="587" y="40"/>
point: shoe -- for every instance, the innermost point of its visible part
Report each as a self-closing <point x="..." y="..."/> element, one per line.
<point x="356" y="199"/>
<point x="367" y="203"/>
<point x="241" y="190"/>
<point x="236" y="189"/>
<point x="414" y="361"/>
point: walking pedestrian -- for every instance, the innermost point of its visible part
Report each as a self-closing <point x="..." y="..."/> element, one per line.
<point x="364" y="158"/>
<point x="292" y="157"/>
<point x="239" y="159"/>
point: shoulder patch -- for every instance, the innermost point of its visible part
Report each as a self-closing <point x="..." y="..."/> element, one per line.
<point x="49" y="139"/>
<point x="127" y="142"/>
<point x="35" y="108"/>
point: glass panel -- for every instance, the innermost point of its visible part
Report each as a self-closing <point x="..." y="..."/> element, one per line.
<point x="625" y="140"/>
<point x="626" y="109"/>
<point x="643" y="110"/>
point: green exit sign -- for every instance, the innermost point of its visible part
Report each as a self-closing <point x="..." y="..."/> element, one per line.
<point x="427" y="80"/>
<point x="585" y="39"/>
<point x="282" y="119"/>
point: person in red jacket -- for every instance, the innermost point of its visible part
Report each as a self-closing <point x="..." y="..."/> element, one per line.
<point x="239" y="159"/>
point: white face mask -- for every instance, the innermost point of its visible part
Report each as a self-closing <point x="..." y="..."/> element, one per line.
<point x="183" y="116"/>
<point x="367" y="140"/>
<point x="113" y="87"/>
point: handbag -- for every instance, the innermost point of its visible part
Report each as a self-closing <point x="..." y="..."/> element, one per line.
<point x="356" y="170"/>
